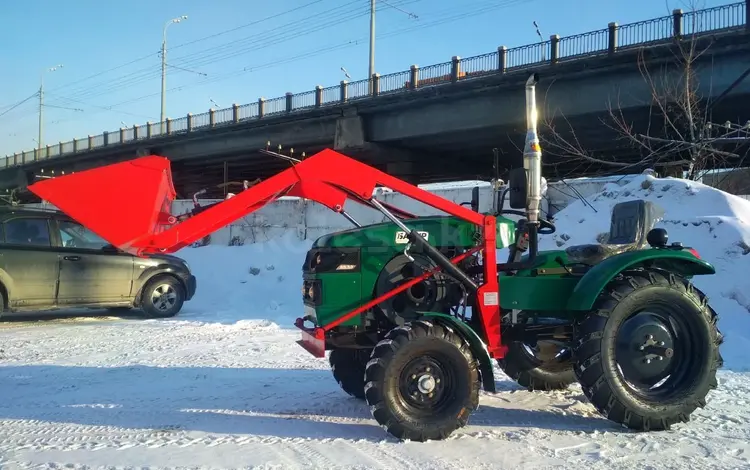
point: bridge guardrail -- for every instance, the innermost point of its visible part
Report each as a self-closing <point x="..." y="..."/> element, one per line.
<point x="600" y="42"/>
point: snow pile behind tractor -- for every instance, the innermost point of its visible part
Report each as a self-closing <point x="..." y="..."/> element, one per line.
<point x="715" y="223"/>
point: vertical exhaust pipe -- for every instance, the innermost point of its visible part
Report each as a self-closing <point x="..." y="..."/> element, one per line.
<point x="532" y="155"/>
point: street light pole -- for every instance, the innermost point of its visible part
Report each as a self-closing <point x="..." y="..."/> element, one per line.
<point x="372" y="43"/>
<point x="164" y="67"/>
<point x="41" y="104"/>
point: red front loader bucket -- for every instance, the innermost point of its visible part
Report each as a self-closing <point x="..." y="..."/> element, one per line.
<point x="121" y="202"/>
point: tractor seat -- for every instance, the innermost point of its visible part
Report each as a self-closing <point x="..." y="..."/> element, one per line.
<point x="631" y="221"/>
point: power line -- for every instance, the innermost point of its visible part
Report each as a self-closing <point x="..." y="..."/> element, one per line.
<point x="333" y="18"/>
<point x="463" y="13"/>
<point x="246" y="25"/>
<point x="411" y="15"/>
<point x="248" y="69"/>
<point x="146" y="73"/>
<point x="66" y="85"/>
<point x="12" y="107"/>
<point x="140" y="77"/>
<point x="221" y="52"/>
<point x="436" y="22"/>
<point x="137" y="77"/>
<point x="105" y="108"/>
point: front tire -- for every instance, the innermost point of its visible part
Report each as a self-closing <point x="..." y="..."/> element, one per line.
<point x="648" y="327"/>
<point x="422" y="382"/>
<point x="162" y="297"/>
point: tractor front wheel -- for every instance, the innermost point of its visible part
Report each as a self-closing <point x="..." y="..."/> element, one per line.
<point x="348" y="368"/>
<point x="647" y="356"/>
<point x="422" y="382"/>
<point x="537" y="368"/>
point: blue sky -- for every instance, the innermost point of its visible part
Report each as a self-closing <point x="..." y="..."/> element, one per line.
<point x="90" y="37"/>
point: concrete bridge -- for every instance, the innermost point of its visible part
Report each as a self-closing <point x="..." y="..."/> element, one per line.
<point x="441" y="122"/>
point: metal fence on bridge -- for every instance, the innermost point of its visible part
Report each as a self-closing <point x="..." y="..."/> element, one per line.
<point x="602" y="42"/>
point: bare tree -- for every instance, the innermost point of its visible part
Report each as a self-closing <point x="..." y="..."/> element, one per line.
<point x="679" y="136"/>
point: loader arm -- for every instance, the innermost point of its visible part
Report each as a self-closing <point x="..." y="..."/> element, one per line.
<point x="102" y="200"/>
<point x="139" y="221"/>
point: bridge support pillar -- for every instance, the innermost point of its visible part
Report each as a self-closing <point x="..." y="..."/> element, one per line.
<point x="350" y="132"/>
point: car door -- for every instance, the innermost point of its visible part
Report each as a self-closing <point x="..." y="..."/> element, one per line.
<point x="31" y="262"/>
<point x="91" y="271"/>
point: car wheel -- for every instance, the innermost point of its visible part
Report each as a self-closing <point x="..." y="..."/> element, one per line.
<point x="162" y="297"/>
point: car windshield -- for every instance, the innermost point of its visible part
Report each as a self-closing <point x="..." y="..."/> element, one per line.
<point x="75" y="235"/>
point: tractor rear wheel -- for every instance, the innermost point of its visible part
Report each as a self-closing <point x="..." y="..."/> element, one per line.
<point x="537" y="368"/>
<point x="422" y="382"/>
<point x="647" y="356"/>
<point x="348" y="367"/>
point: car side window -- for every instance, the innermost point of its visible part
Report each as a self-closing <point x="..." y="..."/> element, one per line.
<point x="29" y="231"/>
<point x="75" y="235"/>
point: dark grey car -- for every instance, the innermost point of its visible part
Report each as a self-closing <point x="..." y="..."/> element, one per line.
<point x="48" y="261"/>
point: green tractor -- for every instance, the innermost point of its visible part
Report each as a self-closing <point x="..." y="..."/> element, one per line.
<point x="621" y="318"/>
<point x="415" y="311"/>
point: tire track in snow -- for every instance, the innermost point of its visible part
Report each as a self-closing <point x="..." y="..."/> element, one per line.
<point x="242" y="393"/>
<point x="35" y="436"/>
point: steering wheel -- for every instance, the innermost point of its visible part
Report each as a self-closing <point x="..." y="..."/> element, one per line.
<point x="545" y="226"/>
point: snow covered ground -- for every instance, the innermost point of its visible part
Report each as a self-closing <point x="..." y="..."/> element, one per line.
<point x="223" y="385"/>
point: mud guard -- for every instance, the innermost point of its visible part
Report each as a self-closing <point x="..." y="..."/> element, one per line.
<point x="684" y="263"/>
<point x="478" y="348"/>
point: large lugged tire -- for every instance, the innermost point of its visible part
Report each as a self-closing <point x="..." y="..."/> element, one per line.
<point x="162" y="297"/>
<point x="422" y="382"/>
<point x="348" y="367"/>
<point x="537" y="372"/>
<point x="619" y="346"/>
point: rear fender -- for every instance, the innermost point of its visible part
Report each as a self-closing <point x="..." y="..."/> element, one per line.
<point x="596" y="279"/>
<point x="478" y="348"/>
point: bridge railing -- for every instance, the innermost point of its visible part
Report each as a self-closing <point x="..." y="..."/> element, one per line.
<point x="607" y="41"/>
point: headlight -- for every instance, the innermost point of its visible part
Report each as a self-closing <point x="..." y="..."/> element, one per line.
<point x="326" y="260"/>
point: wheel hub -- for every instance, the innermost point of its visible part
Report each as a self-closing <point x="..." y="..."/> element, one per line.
<point x="163" y="297"/>
<point x="426" y="384"/>
<point x="645" y="349"/>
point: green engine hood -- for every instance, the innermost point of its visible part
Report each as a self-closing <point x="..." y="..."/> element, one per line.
<point x="440" y="231"/>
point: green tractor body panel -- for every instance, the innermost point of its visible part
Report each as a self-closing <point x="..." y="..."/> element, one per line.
<point x="681" y="262"/>
<point x="549" y="287"/>
<point x="546" y="287"/>
<point x="478" y="348"/>
<point x="358" y="256"/>
<point x="442" y="231"/>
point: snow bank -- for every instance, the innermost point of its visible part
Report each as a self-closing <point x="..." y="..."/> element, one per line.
<point x="713" y="222"/>
<point x="259" y="284"/>
<point x="252" y="284"/>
